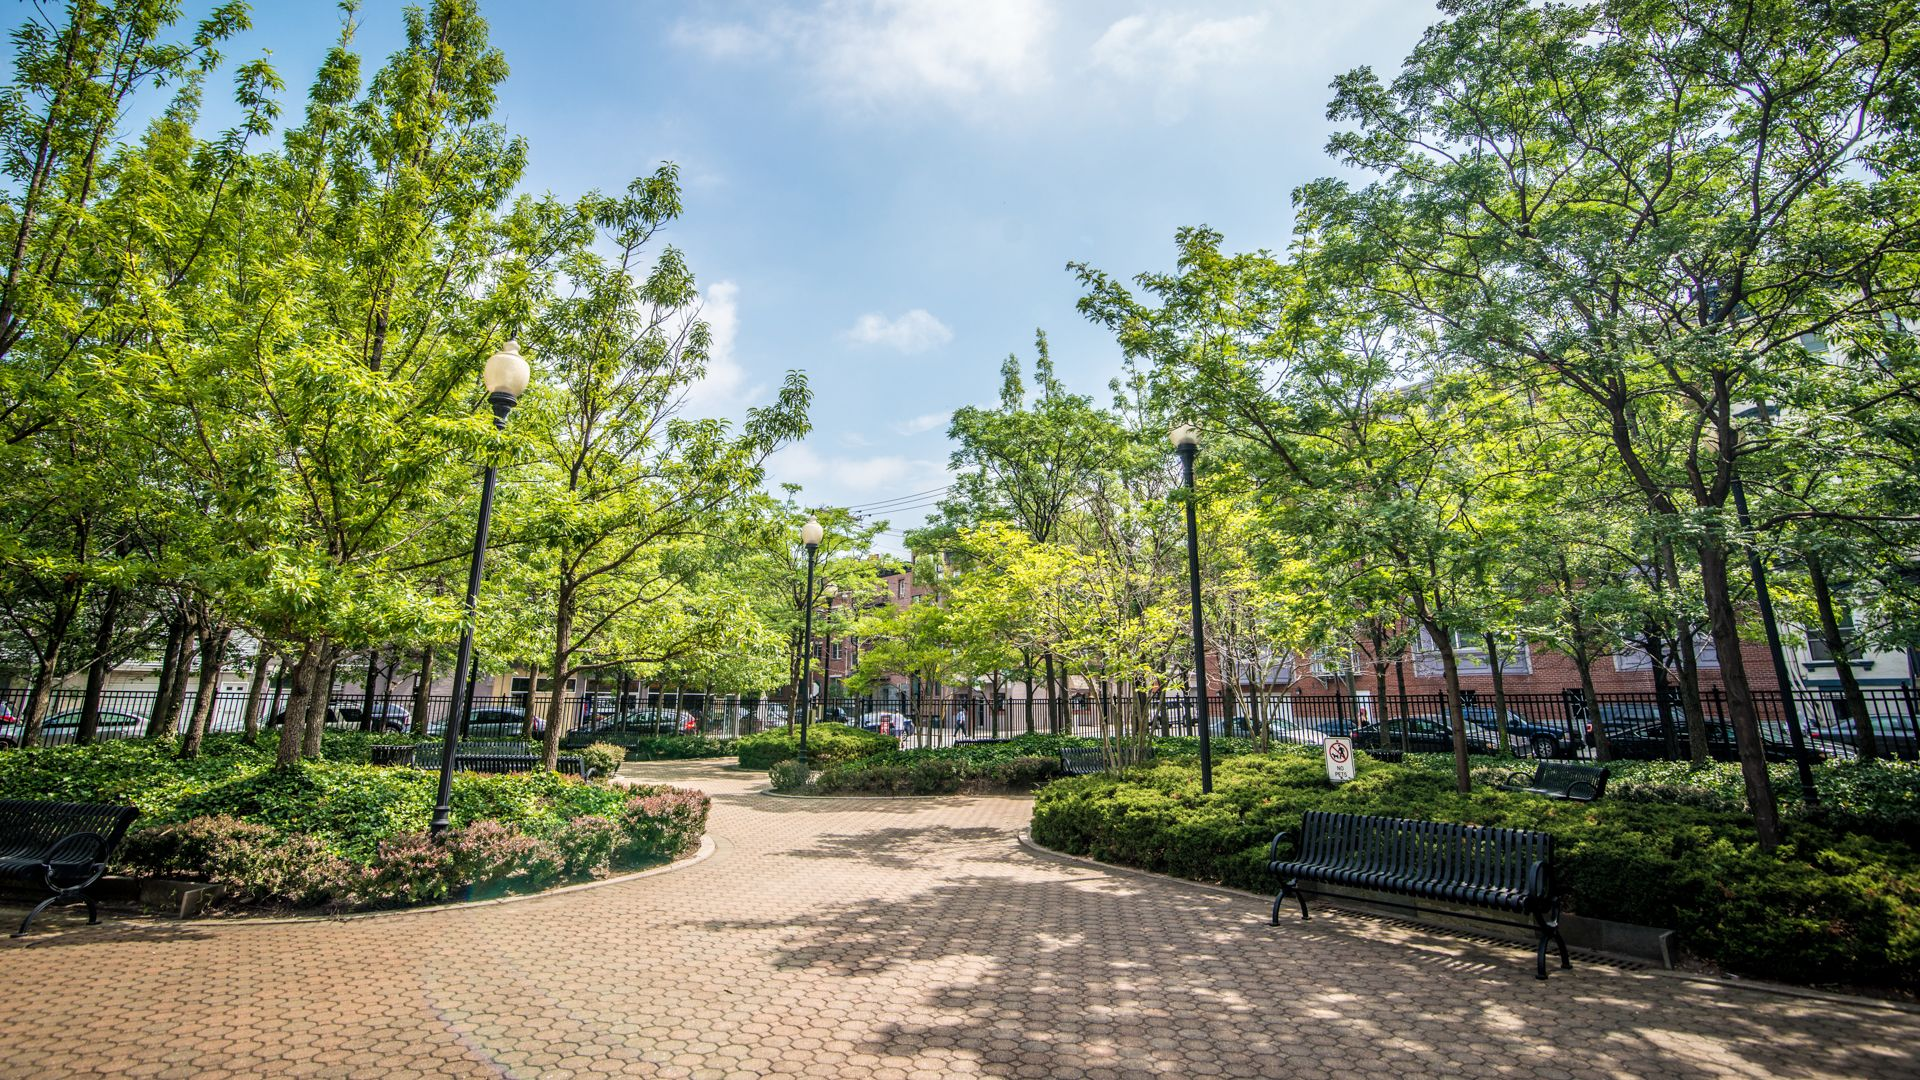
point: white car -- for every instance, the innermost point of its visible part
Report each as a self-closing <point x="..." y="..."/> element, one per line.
<point x="893" y="723"/>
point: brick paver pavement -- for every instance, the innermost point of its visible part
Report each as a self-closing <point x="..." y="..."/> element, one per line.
<point x="886" y="938"/>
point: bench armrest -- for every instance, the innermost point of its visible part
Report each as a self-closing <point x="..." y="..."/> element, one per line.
<point x="1540" y="881"/>
<point x="1515" y="781"/>
<point x="83" y="854"/>
<point x="1273" y="849"/>
<point x="1573" y="790"/>
<point x="90" y="847"/>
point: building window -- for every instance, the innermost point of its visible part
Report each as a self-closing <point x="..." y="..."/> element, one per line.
<point x="838" y="651"/>
<point x="1817" y="642"/>
<point x="1470" y="655"/>
<point x="1638" y="660"/>
<point x="519" y="684"/>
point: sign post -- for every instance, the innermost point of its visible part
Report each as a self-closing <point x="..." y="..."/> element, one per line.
<point x="1339" y="760"/>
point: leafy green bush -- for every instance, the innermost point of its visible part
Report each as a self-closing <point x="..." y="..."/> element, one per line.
<point x="1826" y="906"/>
<point x="827" y="744"/>
<point x="788" y="775"/>
<point x="602" y="758"/>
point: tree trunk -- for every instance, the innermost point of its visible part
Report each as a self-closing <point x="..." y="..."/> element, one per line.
<point x="526" y="703"/>
<point x="99" y="666"/>
<point x="1026" y="660"/>
<point x="562" y="655"/>
<point x="169" y="661"/>
<point x="1657" y="651"/>
<point x="1740" y="707"/>
<point x="1698" y="750"/>
<point x="213" y="652"/>
<point x="1053" y="697"/>
<point x="366" y="692"/>
<point x="1583" y="661"/>
<point x="318" y="701"/>
<point x="1400" y="683"/>
<point x="423" y="692"/>
<point x="1499" y="694"/>
<point x="1456" y="715"/>
<point x="293" y="725"/>
<point x="256" y="692"/>
<point x="1842" y="663"/>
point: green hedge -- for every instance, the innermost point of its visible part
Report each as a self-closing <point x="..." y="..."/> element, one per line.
<point x="1827" y="906"/>
<point x="348" y="835"/>
<point x="827" y="744"/>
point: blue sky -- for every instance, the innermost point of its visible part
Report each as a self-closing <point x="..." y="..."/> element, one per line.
<point x="885" y="193"/>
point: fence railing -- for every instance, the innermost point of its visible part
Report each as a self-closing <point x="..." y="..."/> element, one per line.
<point x="1635" y="724"/>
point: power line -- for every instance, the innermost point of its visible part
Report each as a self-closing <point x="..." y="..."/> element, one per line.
<point x="900" y="498"/>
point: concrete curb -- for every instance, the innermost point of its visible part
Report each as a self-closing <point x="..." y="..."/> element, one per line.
<point x="1776" y="989"/>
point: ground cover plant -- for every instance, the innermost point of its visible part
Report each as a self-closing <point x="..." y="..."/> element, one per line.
<point x="346" y="835"/>
<point x="1830" y="905"/>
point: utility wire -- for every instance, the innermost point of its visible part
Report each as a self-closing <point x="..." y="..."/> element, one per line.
<point x="899" y="498"/>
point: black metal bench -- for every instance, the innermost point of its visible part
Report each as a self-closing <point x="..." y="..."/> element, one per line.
<point x="1506" y="870"/>
<point x="497" y="757"/>
<point x="1088" y="760"/>
<point x="1560" y="780"/>
<point x="64" y="846"/>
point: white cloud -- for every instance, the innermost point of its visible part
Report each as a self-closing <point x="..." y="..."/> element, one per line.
<point x="724" y="389"/>
<point x="911" y="332"/>
<point x="1177" y="48"/>
<point x="929" y="422"/>
<point x="848" y="480"/>
<point x="884" y="52"/>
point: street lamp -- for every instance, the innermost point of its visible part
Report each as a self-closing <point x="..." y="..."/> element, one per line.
<point x="505" y="377"/>
<point x="1186" y="441"/>
<point x="810" y="534"/>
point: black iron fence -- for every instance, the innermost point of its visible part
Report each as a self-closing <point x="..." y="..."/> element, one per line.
<point x="1635" y="725"/>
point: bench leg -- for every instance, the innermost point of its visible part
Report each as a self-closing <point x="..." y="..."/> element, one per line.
<point x="1289" y="887"/>
<point x="1549" y="931"/>
<point x="37" y="909"/>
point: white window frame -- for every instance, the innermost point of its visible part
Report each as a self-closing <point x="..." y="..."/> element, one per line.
<point x="1470" y="656"/>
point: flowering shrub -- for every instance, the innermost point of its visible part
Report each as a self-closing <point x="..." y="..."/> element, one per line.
<point x="660" y="823"/>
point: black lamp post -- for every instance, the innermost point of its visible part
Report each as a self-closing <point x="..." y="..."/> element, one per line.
<point x="1187" y="441"/>
<point x="827" y="592"/>
<point x="506" y="378"/>
<point x="810" y="535"/>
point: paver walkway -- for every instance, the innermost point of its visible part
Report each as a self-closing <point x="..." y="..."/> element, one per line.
<point x="892" y="939"/>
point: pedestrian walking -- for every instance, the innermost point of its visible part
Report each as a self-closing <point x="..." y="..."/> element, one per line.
<point x="960" y="720"/>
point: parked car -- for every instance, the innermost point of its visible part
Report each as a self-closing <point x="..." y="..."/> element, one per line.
<point x="1310" y="732"/>
<point x="894" y="723"/>
<point x="1649" y="741"/>
<point x="63" y="727"/>
<point x="335" y="719"/>
<point x="646" y="722"/>
<point x="502" y="722"/>
<point x="1893" y="736"/>
<point x="1424" y="734"/>
<point x="1524" y="737"/>
<point x="388" y="716"/>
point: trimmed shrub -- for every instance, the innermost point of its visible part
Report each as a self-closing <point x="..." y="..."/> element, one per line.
<point x="827" y="744"/>
<point x="1827" y="906"/>
<point x="788" y="775"/>
<point x="603" y="758"/>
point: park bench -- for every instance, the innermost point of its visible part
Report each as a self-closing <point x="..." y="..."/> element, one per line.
<point x="1560" y="780"/>
<point x="1088" y="760"/>
<point x="497" y="757"/>
<point x="1504" y="870"/>
<point x="63" y="846"/>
